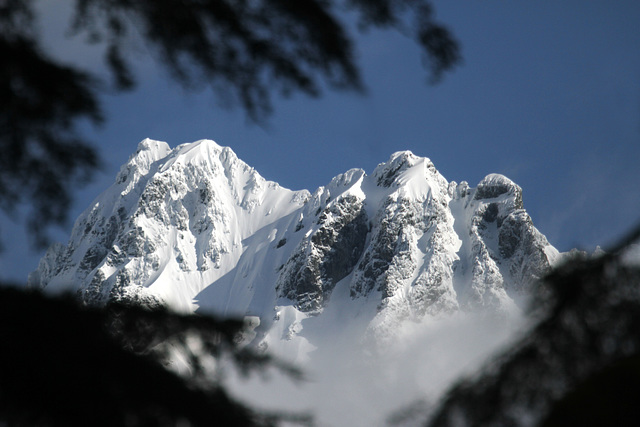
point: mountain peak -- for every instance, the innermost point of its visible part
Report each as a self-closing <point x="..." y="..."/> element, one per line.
<point x="496" y="185"/>
<point x="152" y="145"/>
<point x="386" y="173"/>
<point x="196" y="228"/>
<point x="147" y="153"/>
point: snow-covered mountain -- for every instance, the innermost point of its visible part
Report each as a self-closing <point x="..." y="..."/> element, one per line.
<point x="196" y="228"/>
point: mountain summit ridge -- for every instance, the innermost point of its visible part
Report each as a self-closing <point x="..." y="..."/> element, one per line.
<point x="196" y="228"/>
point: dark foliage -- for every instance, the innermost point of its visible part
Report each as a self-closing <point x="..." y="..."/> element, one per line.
<point x="40" y="103"/>
<point x="607" y="398"/>
<point x="587" y="336"/>
<point x="246" y="51"/>
<point x="62" y="364"/>
<point x="155" y="331"/>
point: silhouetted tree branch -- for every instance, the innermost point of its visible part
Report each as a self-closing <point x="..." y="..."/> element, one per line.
<point x="62" y="364"/>
<point x="41" y="153"/>
<point x="246" y="51"/>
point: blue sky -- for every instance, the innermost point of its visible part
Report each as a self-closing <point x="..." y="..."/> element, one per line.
<point x="548" y="94"/>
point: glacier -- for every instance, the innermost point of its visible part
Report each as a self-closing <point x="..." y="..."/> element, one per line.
<point x="197" y="229"/>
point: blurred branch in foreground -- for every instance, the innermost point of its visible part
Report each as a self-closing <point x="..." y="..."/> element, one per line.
<point x="244" y="51"/>
<point x="63" y="364"/>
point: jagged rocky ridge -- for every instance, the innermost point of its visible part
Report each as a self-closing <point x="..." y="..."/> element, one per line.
<point x="196" y="228"/>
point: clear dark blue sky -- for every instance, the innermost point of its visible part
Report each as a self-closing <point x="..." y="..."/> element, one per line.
<point x="548" y="94"/>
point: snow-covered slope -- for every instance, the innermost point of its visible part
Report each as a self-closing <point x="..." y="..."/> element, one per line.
<point x="196" y="228"/>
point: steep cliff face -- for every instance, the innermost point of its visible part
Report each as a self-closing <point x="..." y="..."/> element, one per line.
<point x="172" y="223"/>
<point x="196" y="228"/>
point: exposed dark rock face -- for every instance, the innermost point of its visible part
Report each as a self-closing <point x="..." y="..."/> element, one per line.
<point x="326" y="256"/>
<point x="496" y="185"/>
<point x="384" y="244"/>
<point x="522" y="248"/>
<point x="504" y="254"/>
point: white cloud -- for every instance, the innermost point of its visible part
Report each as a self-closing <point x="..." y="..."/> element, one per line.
<point x="351" y="386"/>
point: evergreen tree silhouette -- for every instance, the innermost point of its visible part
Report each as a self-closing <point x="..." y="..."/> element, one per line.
<point x="245" y="51"/>
<point x="62" y="364"/>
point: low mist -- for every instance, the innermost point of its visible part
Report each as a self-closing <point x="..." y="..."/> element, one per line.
<point x="400" y="380"/>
